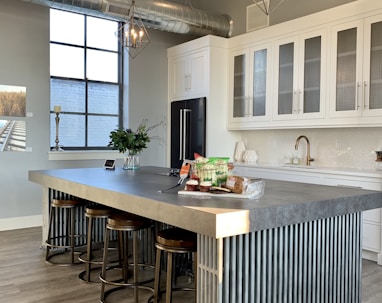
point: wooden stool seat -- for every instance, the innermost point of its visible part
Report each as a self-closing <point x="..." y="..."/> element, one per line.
<point x="98" y="211"/>
<point x="177" y="238"/>
<point x="173" y="240"/>
<point x="62" y="231"/>
<point x="65" y="203"/>
<point x="125" y="223"/>
<point x="92" y="212"/>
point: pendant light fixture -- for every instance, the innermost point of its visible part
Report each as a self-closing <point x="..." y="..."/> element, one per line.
<point x="133" y="34"/>
<point x="265" y="5"/>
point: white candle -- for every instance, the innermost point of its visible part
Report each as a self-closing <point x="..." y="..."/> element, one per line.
<point x="57" y="109"/>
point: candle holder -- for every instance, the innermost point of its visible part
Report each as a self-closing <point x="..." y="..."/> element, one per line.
<point x="57" y="148"/>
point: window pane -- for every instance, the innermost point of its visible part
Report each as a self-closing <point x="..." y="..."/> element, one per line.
<point x="87" y="89"/>
<point x="103" y="98"/>
<point x="66" y="27"/>
<point x="102" y="66"/>
<point x="69" y="94"/>
<point x="66" y="61"/>
<point x="71" y="130"/>
<point x="101" y="33"/>
<point x="99" y="130"/>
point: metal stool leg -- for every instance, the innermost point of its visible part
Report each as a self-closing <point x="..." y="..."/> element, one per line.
<point x="103" y="272"/>
<point x="89" y="248"/>
<point x="135" y="260"/>
<point x="157" y="275"/>
<point x="72" y="232"/>
<point x="195" y="254"/>
<point x="169" y="277"/>
<point x="51" y="218"/>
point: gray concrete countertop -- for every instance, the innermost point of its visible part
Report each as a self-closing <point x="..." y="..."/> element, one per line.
<point x="283" y="203"/>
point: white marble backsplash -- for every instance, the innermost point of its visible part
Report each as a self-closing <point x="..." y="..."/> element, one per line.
<point x="343" y="148"/>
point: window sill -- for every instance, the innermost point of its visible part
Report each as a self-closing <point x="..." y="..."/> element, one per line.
<point x="83" y="155"/>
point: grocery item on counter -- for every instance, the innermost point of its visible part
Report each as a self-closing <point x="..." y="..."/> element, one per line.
<point x="205" y="186"/>
<point x="192" y="185"/>
<point x="254" y="188"/>
<point x="214" y="169"/>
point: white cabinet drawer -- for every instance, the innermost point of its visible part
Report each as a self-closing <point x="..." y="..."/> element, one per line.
<point x="353" y="183"/>
<point x="283" y="175"/>
<point x="371" y="237"/>
<point x="372" y="215"/>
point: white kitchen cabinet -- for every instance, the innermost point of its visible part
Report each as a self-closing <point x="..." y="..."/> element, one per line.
<point x="325" y="71"/>
<point x="250" y="79"/>
<point x="188" y="75"/>
<point x="356" y="85"/>
<point x="372" y="227"/>
<point x="372" y="219"/>
<point x="213" y="52"/>
<point x="299" y="79"/>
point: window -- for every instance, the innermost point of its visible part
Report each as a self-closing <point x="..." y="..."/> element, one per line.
<point x="85" y="79"/>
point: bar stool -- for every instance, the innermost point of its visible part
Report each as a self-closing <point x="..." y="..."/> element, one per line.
<point x="92" y="213"/>
<point x="173" y="241"/>
<point x="61" y="231"/>
<point x="123" y="223"/>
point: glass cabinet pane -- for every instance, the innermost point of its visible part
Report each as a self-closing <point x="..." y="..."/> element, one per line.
<point x="239" y="86"/>
<point x="285" y="89"/>
<point x="312" y="75"/>
<point x="346" y="70"/>
<point x="375" y="99"/>
<point x="259" y="82"/>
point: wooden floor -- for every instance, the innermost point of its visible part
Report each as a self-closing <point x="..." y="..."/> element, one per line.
<point x="25" y="277"/>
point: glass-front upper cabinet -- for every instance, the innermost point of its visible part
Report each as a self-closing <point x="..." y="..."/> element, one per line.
<point x="301" y="64"/>
<point x="372" y="75"/>
<point x="250" y="85"/>
<point x="357" y="86"/>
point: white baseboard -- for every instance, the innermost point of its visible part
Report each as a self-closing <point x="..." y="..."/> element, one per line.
<point x="20" y="222"/>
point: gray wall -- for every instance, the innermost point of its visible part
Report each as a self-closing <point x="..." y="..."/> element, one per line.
<point x="24" y="61"/>
<point x="287" y="10"/>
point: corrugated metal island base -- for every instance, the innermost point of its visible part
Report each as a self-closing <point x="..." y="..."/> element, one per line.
<point x="317" y="261"/>
<point x="298" y="243"/>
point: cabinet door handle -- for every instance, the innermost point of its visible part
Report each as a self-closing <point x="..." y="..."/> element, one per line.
<point x="248" y="110"/>
<point x="349" y="186"/>
<point x="294" y="102"/>
<point x="357" y="95"/>
<point x="365" y="95"/>
<point x="187" y="82"/>
<point x="299" y="101"/>
<point x="181" y="134"/>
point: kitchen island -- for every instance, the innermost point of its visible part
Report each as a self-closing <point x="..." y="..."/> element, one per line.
<point x="298" y="243"/>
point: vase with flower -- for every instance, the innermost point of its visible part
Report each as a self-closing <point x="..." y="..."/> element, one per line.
<point x="131" y="143"/>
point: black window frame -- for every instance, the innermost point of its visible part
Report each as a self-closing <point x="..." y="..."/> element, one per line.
<point x="86" y="81"/>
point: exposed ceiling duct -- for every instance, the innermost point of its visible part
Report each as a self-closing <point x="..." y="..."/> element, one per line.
<point x="166" y="16"/>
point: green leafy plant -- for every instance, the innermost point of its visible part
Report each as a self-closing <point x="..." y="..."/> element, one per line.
<point x="133" y="141"/>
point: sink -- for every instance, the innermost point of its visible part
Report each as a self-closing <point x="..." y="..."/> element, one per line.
<point x="297" y="166"/>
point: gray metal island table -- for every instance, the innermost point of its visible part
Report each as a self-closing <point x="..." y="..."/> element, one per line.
<point x="298" y="243"/>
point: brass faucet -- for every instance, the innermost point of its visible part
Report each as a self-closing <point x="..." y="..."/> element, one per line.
<point x="308" y="158"/>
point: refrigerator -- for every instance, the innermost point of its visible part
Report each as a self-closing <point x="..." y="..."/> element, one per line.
<point x="188" y="130"/>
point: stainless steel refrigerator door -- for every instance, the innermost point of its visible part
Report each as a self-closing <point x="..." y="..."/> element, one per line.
<point x="188" y="130"/>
